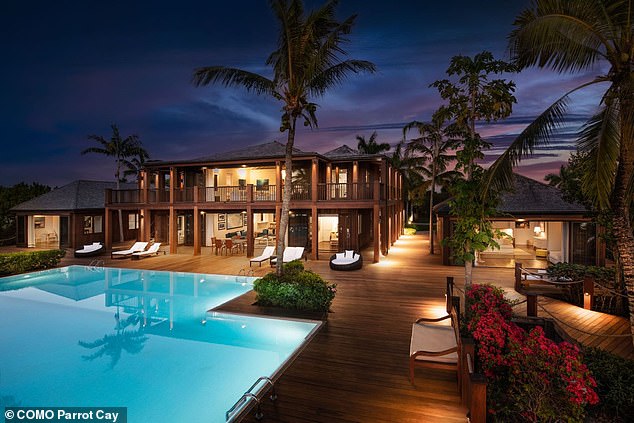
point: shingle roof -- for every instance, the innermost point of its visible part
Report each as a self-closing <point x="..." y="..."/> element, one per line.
<point x="346" y="153"/>
<point x="268" y="150"/>
<point x="529" y="197"/>
<point x="78" y="195"/>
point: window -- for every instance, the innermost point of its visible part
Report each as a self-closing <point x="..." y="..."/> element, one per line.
<point x="93" y="224"/>
<point x="97" y="224"/>
<point x="133" y="221"/>
<point x="87" y="225"/>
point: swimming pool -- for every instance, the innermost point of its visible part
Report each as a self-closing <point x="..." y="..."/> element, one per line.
<point x="77" y="336"/>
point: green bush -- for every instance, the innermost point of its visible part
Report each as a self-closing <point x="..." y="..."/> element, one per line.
<point x="14" y="263"/>
<point x="615" y="385"/>
<point x="297" y="289"/>
<point x="409" y="231"/>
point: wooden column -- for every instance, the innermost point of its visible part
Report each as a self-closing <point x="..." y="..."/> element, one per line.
<point x="375" y="222"/>
<point x="172" y="185"/>
<point x="314" y="176"/>
<point x="107" y="228"/>
<point x="314" y="240"/>
<point x="278" y="183"/>
<point x="250" y="228"/>
<point x="328" y="180"/>
<point x="144" y="182"/>
<point x="173" y="227"/>
<point x="147" y="224"/>
<point x="531" y="305"/>
<point x="355" y="180"/>
<point x="197" y="243"/>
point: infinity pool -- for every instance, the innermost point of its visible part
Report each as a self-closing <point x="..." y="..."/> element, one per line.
<point x="144" y="340"/>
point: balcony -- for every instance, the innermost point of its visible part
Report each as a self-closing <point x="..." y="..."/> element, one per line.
<point x="247" y="194"/>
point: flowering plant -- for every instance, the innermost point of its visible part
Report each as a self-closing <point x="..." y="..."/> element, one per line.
<point x="531" y="378"/>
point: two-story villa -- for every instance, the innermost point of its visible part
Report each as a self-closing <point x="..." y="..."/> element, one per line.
<point x="340" y="200"/>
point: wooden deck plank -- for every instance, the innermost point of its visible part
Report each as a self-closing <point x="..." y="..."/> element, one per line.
<point x="355" y="370"/>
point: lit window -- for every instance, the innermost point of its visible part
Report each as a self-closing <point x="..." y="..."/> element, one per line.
<point x="133" y="221"/>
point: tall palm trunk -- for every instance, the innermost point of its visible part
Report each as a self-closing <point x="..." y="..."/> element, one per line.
<point x="468" y="270"/>
<point x="431" y="204"/>
<point x="620" y="203"/>
<point x="286" y="195"/>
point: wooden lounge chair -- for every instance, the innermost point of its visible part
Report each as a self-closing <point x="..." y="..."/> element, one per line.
<point x="435" y="345"/>
<point x="266" y="254"/>
<point x="152" y="251"/>
<point x="137" y="247"/>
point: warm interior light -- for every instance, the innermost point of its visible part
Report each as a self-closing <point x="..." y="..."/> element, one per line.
<point x="537" y="230"/>
<point x="242" y="173"/>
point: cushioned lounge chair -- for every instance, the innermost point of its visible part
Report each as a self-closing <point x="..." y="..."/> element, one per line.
<point x="290" y="254"/>
<point x="90" y="250"/>
<point x="348" y="260"/>
<point x="137" y="247"/>
<point x="435" y="345"/>
<point x="152" y="251"/>
<point x="266" y="254"/>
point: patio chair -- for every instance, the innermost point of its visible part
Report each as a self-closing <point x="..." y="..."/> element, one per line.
<point x="435" y="345"/>
<point x="152" y="251"/>
<point x="289" y="254"/>
<point x="136" y="247"/>
<point x="266" y="254"/>
<point x="230" y="246"/>
<point x="219" y="245"/>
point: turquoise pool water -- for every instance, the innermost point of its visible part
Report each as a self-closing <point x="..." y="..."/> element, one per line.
<point x="138" y="339"/>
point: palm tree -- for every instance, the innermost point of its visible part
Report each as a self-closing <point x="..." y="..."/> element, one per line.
<point x="434" y="148"/>
<point x="121" y="149"/>
<point x="371" y="146"/>
<point x="134" y="165"/>
<point x="412" y="169"/>
<point x="306" y="64"/>
<point x="576" y="36"/>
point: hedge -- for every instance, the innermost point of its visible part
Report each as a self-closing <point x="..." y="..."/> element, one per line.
<point x="14" y="263"/>
<point x="296" y="289"/>
<point x="615" y="385"/>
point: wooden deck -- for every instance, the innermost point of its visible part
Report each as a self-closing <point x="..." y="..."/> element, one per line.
<point x="355" y="369"/>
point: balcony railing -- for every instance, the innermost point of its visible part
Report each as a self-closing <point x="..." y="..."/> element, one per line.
<point x="345" y="191"/>
<point x="126" y="196"/>
<point x="363" y="191"/>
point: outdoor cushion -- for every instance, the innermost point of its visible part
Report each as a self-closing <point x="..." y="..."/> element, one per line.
<point x="349" y="253"/>
<point x="432" y="337"/>
<point x="340" y="256"/>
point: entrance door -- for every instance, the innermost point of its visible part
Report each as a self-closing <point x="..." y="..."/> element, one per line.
<point x="298" y="234"/>
<point x="64" y="232"/>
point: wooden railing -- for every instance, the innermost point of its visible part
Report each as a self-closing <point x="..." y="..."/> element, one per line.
<point x="345" y="191"/>
<point x="363" y="191"/>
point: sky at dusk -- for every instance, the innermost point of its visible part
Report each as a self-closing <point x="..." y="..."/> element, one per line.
<point x="71" y="68"/>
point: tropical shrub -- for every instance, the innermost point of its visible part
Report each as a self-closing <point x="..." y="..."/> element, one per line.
<point x="409" y="231"/>
<point x="615" y="385"/>
<point x="297" y="289"/>
<point x="13" y="263"/>
<point x="530" y="377"/>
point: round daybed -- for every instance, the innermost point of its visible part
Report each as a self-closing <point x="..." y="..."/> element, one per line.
<point x="348" y="260"/>
<point x="90" y="250"/>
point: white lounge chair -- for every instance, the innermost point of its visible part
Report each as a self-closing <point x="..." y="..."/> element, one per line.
<point x="137" y="247"/>
<point x="90" y="250"/>
<point x="266" y="254"/>
<point x="153" y="250"/>
<point x="290" y="254"/>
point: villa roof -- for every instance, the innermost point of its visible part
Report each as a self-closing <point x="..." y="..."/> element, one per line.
<point x="78" y="195"/>
<point x="530" y="197"/>
<point x="346" y="153"/>
<point x="269" y="150"/>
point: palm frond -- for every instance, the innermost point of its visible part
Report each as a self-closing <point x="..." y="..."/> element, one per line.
<point x="563" y="35"/>
<point x="600" y="140"/>
<point x="233" y="77"/>
<point x="334" y="75"/>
